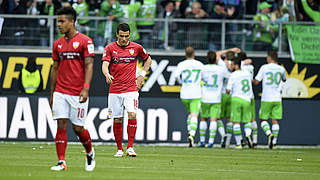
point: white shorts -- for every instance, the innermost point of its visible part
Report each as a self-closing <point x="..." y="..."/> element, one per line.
<point x="121" y="102"/>
<point x="68" y="107"/>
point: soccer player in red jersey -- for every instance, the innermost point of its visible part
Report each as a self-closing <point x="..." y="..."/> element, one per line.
<point x="121" y="57"/>
<point x="71" y="75"/>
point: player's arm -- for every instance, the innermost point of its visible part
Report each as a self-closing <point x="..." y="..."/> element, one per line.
<point x="220" y="53"/>
<point x="105" y="71"/>
<point x="284" y="77"/>
<point x="53" y="81"/>
<point x="259" y="76"/>
<point x="88" y="71"/>
<point x="256" y="82"/>
<point x="229" y="85"/>
<point x="146" y="68"/>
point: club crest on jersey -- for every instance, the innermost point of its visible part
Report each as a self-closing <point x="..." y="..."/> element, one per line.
<point x="131" y="51"/>
<point x="75" y="44"/>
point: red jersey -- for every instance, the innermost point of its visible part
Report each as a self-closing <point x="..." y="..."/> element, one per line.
<point x="71" y="53"/>
<point x="123" y="62"/>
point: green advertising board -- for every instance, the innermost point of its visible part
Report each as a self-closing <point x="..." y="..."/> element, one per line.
<point x="304" y="43"/>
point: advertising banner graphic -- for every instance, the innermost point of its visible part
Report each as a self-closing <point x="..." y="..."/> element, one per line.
<point x="159" y="120"/>
<point x="304" y="41"/>
<point x="303" y="81"/>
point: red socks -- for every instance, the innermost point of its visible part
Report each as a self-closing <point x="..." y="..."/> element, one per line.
<point x="131" y="129"/>
<point x="85" y="139"/>
<point x="117" y="131"/>
<point x="61" y="143"/>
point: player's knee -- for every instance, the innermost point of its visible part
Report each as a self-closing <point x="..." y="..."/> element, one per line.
<point x="77" y="129"/>
<point x="131" y="115"/>
<point x="117" y="120"/>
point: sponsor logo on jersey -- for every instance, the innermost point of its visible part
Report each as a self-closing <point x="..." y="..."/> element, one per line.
<point x="60" y="46"/>
<point x="131" y="51"/>
<point x="115" y="52"/>
<point x="75" y="44"/>
<point x="90" y="48"/>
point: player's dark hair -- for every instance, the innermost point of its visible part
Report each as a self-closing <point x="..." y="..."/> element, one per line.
<point x="69" y="11"/>
<point x="242" y="55"/>
<point x="273" y="55"/>
<point x="123" y="27"/>
<point x="189" y="52"/>
<point x="237" y="61"/>
<point x="230" y="55"/>
<point x="212" y="57"/>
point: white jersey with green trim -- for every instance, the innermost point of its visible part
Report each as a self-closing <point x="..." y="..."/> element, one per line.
<point x="189" y="72"/>
<point x="271" y="76"/>
<point x="250" y="69"/>
<point x="228" y="73"/>
<point x="240" y="85"/>
<point x="212" y="77"/>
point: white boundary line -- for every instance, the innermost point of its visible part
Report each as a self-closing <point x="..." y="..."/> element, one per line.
<point x="161" y="144"/>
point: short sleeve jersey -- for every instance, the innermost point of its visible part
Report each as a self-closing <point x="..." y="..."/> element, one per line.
<point x="190" y="73"/>
<point x="240" y="85"/>
<point x="123" y="62"/>
<point x="249" y="68"/>
<point x="212" y="77"/>
<point x="271" y="76"/>
<point x="228" y="73"/>
<point x="70" y="53"/>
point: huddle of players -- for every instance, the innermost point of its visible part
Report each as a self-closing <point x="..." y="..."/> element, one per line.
<point x="223" y="89"/>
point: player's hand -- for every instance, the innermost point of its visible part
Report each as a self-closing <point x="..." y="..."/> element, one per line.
<point x="140" y="81"/>
<point x="247" y="61"/>
<point x="109" y="78"/>
<point x="84" y="95"/>
<point x="51" y="100"/>
<point x="236" y="50"/>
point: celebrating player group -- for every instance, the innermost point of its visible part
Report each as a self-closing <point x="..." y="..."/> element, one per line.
<point x="223" y="89"/>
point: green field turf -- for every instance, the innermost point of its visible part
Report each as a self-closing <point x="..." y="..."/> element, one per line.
<point x="33" y="161"/>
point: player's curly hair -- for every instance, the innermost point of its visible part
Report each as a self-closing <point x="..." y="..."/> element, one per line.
<point x="69" y="11"/>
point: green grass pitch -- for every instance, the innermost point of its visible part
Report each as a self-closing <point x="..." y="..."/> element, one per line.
<point x="33" y="161"/>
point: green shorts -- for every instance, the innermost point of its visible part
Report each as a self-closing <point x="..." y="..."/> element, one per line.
<point x="240" y="110"/>
<point x="271" y="110"/>
<point x="253" y="108"/>
<point x="225" y="105"/>
<point x="192" y="105"/>
<point x="210" y="110"/>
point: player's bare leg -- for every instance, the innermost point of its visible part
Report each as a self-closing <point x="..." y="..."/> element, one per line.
<point x="61" y="145"/>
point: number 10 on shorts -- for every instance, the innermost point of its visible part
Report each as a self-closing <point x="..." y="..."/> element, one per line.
<point x="135" y="103"/>
<point x="80" y="113"/>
